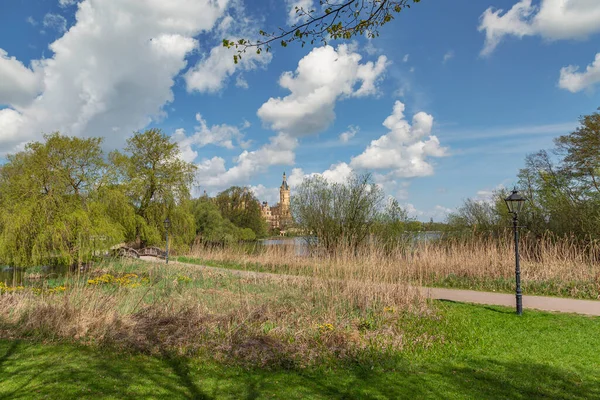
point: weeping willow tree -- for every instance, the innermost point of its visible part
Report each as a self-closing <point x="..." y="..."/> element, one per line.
<point x="56" y="206"/>
<point x="157" y="184"/>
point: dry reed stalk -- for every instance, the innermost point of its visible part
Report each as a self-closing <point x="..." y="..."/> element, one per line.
<point x="265" y="320"/>
<point x="542" y="260"/>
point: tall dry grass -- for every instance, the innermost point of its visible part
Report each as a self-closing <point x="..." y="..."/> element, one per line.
<point x="249" y="318"/>
<point x="549" y="265"/>
<point x="349" y="304"/>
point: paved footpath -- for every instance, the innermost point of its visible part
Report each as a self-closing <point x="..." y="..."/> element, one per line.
<point x="586" y="307"/>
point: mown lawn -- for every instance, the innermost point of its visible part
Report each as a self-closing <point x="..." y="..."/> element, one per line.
<point x="488" y="353"/>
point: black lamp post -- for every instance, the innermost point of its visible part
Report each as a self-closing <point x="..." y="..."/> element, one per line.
<point x="167" y="223"/>
<point x="515" y="203"/>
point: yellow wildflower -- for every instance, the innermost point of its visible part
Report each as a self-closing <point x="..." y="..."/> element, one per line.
<point x="57" y="289"/>
<point x="183" y="278"/>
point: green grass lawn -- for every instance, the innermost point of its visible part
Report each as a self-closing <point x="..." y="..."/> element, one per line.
<point x="488" y="353"/>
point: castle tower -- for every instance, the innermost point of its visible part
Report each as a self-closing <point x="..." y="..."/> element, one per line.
<point x="284" y="196"/>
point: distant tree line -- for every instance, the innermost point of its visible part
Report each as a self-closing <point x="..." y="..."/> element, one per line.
<point x="562" y="186"/>
<point x="63" y="198"/>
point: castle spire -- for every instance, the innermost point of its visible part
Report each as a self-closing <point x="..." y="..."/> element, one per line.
<point x="284" y="184"/>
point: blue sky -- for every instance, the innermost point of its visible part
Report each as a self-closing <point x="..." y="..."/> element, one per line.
<point x="444" y="105"/>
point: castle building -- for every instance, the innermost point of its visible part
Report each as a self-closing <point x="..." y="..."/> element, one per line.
<point x="279" y="216"/>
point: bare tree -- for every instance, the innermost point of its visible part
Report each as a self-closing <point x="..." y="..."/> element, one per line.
<point x="338" y="214"/>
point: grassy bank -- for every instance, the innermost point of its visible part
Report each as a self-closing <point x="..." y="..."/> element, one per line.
<point x="266" y="321"/>
<point x="549" y="267"/>
<point x="488" y="352"/>
<point x="145" y="330"/>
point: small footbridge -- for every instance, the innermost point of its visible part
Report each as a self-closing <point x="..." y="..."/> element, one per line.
<point x="128" y="252"/>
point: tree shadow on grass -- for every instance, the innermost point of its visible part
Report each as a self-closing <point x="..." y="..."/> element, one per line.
<point x="181" y="369"/>
<point x="8" y="352"/>
<point x="500" y="309"/>
<point x="496" y="309"/>
<point x="32" y="371"/>
<point x="472" y="378"/>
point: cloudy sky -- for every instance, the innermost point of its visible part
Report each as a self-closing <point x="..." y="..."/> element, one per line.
<point x="444" y="105"/>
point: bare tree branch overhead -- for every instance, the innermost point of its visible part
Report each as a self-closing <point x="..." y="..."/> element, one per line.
<point x="333" y="20"/>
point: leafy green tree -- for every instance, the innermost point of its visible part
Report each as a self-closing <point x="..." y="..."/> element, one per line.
<point x="561" y="188"/>
<point x="581" y="151"/>
<point x="339" y="214"/>
<point x="158" y="185"/>
<point x="212" y="227"/>
<point x="559" y="201"/>
<point x="331" y="20"/>
<point x="242" y="208"/>
<point x="50" y="208"/>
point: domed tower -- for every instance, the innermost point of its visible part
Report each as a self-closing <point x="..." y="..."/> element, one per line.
<point x="284" y="196"/>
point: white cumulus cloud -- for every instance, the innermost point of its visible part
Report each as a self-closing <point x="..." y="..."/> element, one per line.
<point x="19" y="85"/>
<point x="268" y="194"/>
<point x="210" y="74"/>
<point x="296" y="17"/>
<point x="241" y="82"/>
<point x="212" y="173"/>
<point x="349" y="134"/>
<point x="337" y="173"/>
<point x="574" y="81"/>
<point x="223" y="135"/>
<point x="406" y="149"/>
<point x="322" y="76"/>
<point x="551" y="19"/>
<point x="113" y="70"/>
<point x="55" y="21"/>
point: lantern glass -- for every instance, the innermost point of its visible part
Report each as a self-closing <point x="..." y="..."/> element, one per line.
<point x="515" y="202"/>
<point x="167" y="223"/>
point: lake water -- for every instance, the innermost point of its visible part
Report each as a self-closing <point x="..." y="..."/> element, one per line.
<point x="425" y="236"/>
<point x="301" y="243"/>
<point x="15" y="276"/>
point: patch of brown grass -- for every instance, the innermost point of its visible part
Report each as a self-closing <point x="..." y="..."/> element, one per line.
<point x="545" y="261"/>
<point x="259" y="320"/>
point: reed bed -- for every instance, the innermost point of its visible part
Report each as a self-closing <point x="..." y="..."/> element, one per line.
<point x="348" y="305"/>
<point x="251" y="319"/>
<point x="550" y="266"/>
